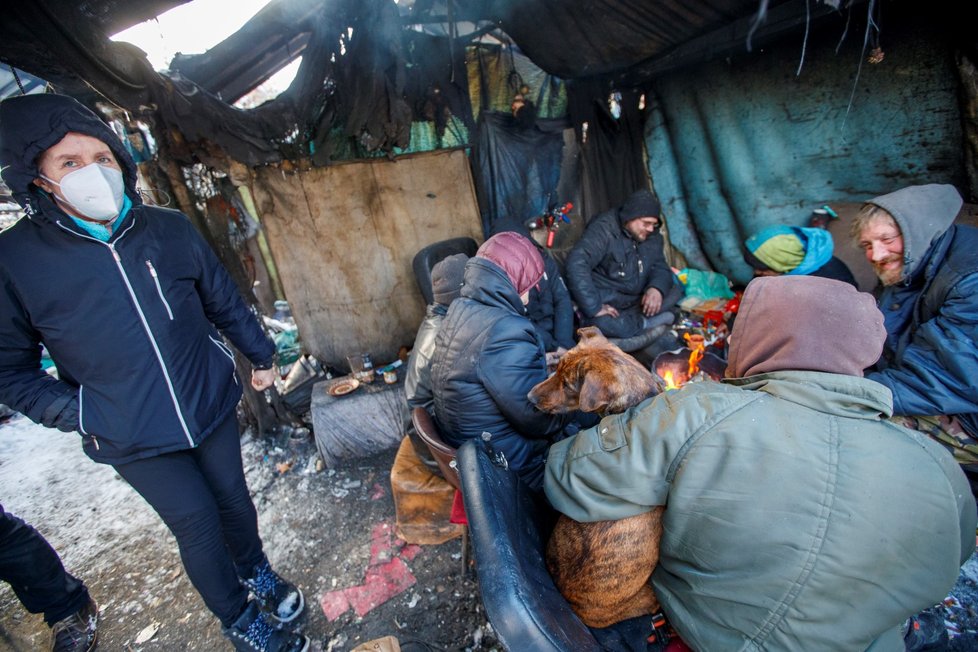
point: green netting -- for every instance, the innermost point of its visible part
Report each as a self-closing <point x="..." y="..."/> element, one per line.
<point x="423" y="139"/>
<point x="505" y="70"/>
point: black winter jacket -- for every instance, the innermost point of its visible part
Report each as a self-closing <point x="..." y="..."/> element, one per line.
<point x="487" y="358"/>
<point x="608" y="266"/>
<point x="130" y="323"/>
<point x="550" y="308"/>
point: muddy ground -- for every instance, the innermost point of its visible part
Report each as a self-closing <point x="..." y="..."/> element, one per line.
<point x="321" y="529"/>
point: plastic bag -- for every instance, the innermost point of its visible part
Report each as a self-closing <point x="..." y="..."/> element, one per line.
<point x="705" y="285"/>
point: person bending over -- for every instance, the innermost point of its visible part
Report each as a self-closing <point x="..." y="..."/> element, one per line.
<point x="786" y="493"/>
<point x="795" y="251"/>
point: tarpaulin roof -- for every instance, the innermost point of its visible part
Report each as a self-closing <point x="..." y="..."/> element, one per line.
<point x="357" y="56"/>
<point x="580" y="39"/>
<point x="567" y="39"/>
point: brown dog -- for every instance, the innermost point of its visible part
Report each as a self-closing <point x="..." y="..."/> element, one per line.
<point x="601" y="568"/>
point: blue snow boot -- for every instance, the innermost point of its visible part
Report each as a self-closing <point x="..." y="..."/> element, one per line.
<point x="279" y="599"/>
<point x="253" y="632"/>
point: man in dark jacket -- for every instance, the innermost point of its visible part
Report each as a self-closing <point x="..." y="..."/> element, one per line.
<point x="928" y="271"/>
<point x="38" y="578"/>
<point x="129" y="300"/>
<point x="617" y="271"/>
<point x="550" y="309"/>
<point x="488" y="356"/>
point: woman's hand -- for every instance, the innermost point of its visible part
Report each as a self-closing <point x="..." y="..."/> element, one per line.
<point x="262" y="379"/>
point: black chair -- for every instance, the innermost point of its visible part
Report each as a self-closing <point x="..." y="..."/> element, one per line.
<point x="428" y="256"/>
<point x="508" y="527"/>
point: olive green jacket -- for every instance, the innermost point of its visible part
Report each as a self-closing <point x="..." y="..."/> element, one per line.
<point x="796" y="518"/>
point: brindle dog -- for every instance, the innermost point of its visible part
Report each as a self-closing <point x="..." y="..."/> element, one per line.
<point x="602" y="568"/>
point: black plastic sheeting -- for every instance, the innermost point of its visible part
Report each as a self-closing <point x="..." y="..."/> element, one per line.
<point x="517" y="168"/>
<point x="598" y="37"/>
<point x="358" y="83"/>
<point x="354" y="81"/>
<point x="612" y="150"/>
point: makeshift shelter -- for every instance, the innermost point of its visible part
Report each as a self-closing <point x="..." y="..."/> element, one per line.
<point x="738" y="113"/>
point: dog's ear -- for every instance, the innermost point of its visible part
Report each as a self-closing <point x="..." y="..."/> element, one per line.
<point x="590" y="335"/>
<point x="596" y="393"/>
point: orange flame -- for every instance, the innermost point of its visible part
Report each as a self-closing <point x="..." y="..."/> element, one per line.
<point x="670" y="380"/>
<point x="698" y="347"/>
<point x="694" y="360"/>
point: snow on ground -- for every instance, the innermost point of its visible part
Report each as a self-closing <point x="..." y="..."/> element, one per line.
<point x="47" y="480"/>
<point x="320" y="528"/>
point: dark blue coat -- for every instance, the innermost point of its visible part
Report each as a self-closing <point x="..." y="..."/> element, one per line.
<point x="487" y="358"/>
<point x="132" y="324"/>
<point x="930" y="359"/>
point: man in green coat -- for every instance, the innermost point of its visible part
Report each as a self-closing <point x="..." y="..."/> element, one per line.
<point x="786" y="489"/>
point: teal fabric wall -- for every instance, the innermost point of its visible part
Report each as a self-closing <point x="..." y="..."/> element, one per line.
<point x="737" y="145"/>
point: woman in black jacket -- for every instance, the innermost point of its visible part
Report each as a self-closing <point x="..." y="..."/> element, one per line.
<point x="132" y="304"/>
<point x="488" y="356"/>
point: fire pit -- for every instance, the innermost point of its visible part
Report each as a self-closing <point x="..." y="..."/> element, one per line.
<point x="676" y="368"/>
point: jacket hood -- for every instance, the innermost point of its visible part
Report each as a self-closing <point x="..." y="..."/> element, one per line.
<point x="789" y="249"/>
<point x="923" y="213"/>
<point x="517" y="256"/>
<point x="641" y="203"/>
<point x="804" y="323"/>
<point x="30" y="124"/>
<point x="487" y="283"/>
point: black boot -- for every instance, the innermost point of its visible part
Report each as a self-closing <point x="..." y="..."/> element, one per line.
<point x="78" y="632"/>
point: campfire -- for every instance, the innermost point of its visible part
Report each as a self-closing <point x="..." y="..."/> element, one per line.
<point x="688" y="365"/>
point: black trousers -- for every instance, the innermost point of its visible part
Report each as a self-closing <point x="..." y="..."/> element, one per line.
<point x="630" y="321"/>
<point x="201" y="495"/>
<point x="35" y="572"/>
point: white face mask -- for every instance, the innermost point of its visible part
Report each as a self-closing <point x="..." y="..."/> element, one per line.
<point x="95" y="191"/>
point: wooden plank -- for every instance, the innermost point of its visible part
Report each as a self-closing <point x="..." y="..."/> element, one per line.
<point x="343" y="238"/>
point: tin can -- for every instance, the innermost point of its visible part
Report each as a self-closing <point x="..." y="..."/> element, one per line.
<point x="390" y="376"/>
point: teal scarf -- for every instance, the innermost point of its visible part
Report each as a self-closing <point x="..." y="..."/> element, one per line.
<point x="104" y="231"/>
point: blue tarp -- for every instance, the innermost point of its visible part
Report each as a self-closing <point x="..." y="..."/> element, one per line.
<point x="738" y="145"/>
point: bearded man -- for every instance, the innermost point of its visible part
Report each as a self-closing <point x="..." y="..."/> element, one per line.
<point x="928" y="294"/>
